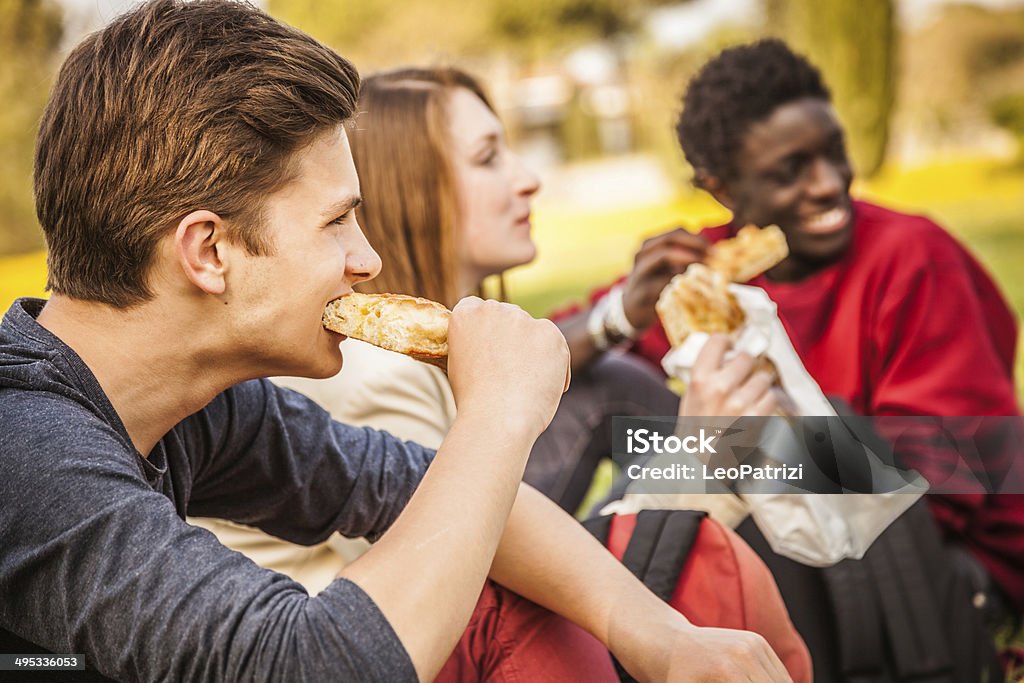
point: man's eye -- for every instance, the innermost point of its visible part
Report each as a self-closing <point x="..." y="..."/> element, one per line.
<point x="837" y="151"/>
<point x="787" y="172"/>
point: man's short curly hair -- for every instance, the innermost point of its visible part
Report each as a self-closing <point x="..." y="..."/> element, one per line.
<point x="739" y="87"/>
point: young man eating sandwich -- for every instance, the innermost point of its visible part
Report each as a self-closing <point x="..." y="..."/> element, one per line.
<point x="197" y="192"/>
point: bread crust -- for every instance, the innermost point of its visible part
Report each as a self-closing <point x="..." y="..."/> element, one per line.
<point x="751" y="252"/>
<point x="408" y="325"/>
<point x="698" y="300"/>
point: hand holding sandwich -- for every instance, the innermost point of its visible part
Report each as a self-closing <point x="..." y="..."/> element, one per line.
<point x="629" y="308"/>
<point x="506" y="364"/>
<point x="736" y="387"/>
<point x="508" y="371"/>
<point x="501" y="362"/>
<point x="659" y="259"/>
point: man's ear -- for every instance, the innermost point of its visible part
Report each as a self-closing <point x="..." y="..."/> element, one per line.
<point x="199" y="244"/>
<point x="715" y="186"/>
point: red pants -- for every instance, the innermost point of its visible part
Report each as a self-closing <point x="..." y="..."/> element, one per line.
<point x="512" y="639"/>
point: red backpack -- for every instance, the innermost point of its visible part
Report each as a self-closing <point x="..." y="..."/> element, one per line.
<point x="708" y="573"/>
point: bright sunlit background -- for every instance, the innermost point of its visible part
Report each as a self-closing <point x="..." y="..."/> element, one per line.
<point x="931" y="92"/>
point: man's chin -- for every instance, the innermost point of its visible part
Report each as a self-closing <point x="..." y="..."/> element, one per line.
<point x="327" y="363"/>
<point x="328" y="367"/>
<point x="821" y="248"/>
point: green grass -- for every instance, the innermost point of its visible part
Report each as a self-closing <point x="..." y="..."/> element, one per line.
<point x="580" y="249"/>
<point x="1007" y="637"/>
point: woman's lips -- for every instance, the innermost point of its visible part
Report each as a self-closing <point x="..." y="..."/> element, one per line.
<point x="826" y="222"/>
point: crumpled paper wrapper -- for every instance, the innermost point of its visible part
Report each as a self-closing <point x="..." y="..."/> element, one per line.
<point x="815" y="529"/>
<point x="762" y="334"/>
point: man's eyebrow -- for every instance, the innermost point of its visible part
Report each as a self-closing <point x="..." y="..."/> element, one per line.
<point x="342" y="207"/>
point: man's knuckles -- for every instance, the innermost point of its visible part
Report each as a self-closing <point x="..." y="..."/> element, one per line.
<point x="735" y="406"/>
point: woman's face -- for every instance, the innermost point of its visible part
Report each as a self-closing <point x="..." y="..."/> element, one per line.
<point x="494" y="191"/>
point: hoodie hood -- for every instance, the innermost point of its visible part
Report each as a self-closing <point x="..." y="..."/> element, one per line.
<point x="33" y="358"/>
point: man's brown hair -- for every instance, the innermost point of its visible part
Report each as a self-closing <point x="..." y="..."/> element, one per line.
<point x="174" y="107"/>
<point x="402" y="148"/>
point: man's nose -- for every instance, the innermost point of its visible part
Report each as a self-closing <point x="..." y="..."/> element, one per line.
<point x="362" y="263"/>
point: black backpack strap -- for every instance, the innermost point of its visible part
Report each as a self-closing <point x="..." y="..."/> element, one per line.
<point x="659" y="546"/>
<point x="912" y="616"/>
<point x="599" y="527"/>
<point x="657" y="551"/>
<point x="644" y="541"/>
<point x="858" y="621"/>
<point x="668" y="556"/>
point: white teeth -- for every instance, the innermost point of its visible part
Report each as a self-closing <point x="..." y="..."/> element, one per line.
<point x="832" y="218"/>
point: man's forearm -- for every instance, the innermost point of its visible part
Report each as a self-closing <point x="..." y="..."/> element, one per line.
<point x="427" y="572"/>
<point x="548" y="557"/>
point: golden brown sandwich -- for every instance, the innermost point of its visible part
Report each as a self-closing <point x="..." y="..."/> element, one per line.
<point x="751" y="252"/>
<point x="698" y="300"/>
<point x="405" y="324"/>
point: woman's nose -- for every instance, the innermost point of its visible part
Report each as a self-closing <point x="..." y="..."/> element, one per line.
<point x="528" y="182"/>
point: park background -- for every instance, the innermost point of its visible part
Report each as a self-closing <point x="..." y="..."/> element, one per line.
<point x="931" y="93"/>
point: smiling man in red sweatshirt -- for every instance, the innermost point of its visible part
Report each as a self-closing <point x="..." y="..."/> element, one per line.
<point x="887" y="311"/>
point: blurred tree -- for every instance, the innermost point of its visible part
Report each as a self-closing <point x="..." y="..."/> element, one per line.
<point x="1008" y="112"/>
<point x="536" y="27"/>
<point x="854" y="44"/>
<point x="489" y="37"/>
<point x="30" y="35"/>
<point x="960" y="72"/>
<point x="389" y="32"/>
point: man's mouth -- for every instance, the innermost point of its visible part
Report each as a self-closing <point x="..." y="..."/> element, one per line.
<point x="340" y="337"/>
<point x="336" y="336"/>
<point x="826" y="222"/>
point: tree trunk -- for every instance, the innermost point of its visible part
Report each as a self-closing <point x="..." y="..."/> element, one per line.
<point x="854" y="45"/>
<point x="30" y="33"/>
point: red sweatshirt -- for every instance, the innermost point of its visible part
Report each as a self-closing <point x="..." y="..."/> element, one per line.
<point x="908" y="323"/>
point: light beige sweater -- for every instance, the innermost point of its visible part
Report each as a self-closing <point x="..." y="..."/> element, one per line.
<point x="375" y="388"/>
